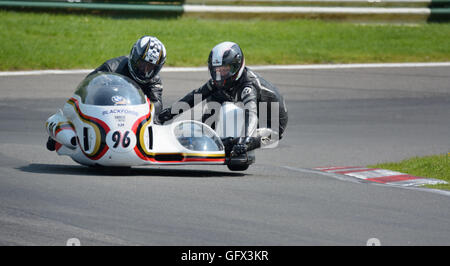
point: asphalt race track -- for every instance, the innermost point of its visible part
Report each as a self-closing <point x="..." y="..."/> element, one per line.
<point x="337" y="117"/>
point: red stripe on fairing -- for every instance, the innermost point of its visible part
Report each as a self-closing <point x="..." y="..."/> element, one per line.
<point x="139" y="154"/>
<point x="134" y="129"/>
<point x="152" y="159"/>
<point x="100" y="122"/>
<point x="186" y="160"/>
<point x="393" y="178"/>
<point x="58" y="146"/>
<point x="100" y="155"/>
<point x="140" y="119"/>
<point x="356" y="171"/>
<point x="203" y="160"/>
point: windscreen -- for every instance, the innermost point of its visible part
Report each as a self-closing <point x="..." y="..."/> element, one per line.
<point x="109" y="89"/>
<point x="197" y="137"/>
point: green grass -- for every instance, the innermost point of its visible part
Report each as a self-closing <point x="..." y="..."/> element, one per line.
<point x="65" y="41"/>
<point x="435" y="166"/>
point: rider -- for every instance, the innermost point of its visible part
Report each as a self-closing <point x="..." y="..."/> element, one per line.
<point x="146" y="59"/>
<point x="232" y="81"/>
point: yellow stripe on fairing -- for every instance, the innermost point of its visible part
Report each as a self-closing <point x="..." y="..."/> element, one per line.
<point x="97" y="131"/>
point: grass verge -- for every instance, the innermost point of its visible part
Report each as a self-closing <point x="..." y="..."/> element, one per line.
<point x="68" y="41"/>
<point x="435" y="166"/>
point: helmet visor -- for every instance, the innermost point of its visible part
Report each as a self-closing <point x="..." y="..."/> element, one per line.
<point x="222" y="73"/>
<point x="144" y="69"/>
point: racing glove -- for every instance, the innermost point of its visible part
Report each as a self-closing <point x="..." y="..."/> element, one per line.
<point x="238" y="149"/>
<point x="165" y="115"/>
<point x="245" y="144"/>
<point x="228" y="145"/>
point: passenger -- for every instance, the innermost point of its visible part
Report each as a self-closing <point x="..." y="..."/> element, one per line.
<point x="232" y="81"/>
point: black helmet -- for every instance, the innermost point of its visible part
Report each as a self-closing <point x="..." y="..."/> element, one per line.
<point x="146" y="59"/>
<point x="226" y="64"/>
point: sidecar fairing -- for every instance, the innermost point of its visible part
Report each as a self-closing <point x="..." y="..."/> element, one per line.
<point x="110" y="122"/>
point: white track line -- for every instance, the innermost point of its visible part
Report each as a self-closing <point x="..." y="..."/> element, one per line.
<point x="267" y="67"/>
<point x="43" y="72"/>
<point x="327" y="1"/>
<point x="341" y="66"/>
<point x="304" y="10"/>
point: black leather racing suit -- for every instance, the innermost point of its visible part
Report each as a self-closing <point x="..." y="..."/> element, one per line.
<point x="119" y="65"/>
<point x="252" y="90"/>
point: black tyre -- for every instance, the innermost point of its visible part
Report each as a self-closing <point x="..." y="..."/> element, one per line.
<point x="240" y="167"/>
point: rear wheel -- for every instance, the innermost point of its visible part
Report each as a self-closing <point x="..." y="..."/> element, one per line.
<point x="240" y="167"/>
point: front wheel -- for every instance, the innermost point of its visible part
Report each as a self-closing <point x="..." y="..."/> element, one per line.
<point x="240" y="167"/>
